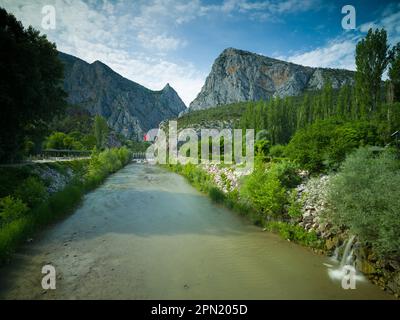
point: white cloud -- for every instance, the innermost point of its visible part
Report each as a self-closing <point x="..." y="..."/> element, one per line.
<point x="128" y="39"/>
<point x="390" y="20"/>
<point x="137" y="38"/>
<point x="270" y="7"/>
<point x="340" y="52"/>
<point x="336" y="54"/>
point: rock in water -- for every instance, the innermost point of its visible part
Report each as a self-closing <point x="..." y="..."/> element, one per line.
<point x="130" y="109"/>
<point x="238" y="75"/>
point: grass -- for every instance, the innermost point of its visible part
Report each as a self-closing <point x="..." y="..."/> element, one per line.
<point x="203" y="182"/>
<point x="58" y="205"/>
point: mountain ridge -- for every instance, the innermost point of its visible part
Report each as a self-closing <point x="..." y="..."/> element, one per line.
<point x="239" y="75"/>
<point x="129" y="108"/>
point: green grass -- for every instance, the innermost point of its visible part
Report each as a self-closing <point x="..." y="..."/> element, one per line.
<point x="295" y="233"/>
<point x="221" y="113"/>
<point x="59" y="204"/>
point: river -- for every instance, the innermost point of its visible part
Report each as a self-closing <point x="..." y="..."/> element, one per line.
<point x="147" y="234"/>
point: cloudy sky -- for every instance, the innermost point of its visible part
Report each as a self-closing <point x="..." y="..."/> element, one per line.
<point x="154" y="42"/>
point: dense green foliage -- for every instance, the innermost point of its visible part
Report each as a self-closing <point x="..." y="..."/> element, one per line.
<point x="27" y="206"/>
<point x="71" y="131"/>
<point x="325" y="143"/>
<point x="30" y="86"/>
<point x="11" y="209"/>
<point x="295" y="233"/>
<point x="394" y="75"/>
<point x="365" y="197"/>
<point x="226" y="112"/>
<point x="100" y="131"/>
<point x="266" y="188"/>
<point x="372" y="58"/>
<point x="31" y="191"/>
<point x="106" y="162"/>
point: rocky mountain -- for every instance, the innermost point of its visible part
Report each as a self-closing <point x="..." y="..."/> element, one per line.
<point x="238" y="75"/>
<point x="130" y="109"/>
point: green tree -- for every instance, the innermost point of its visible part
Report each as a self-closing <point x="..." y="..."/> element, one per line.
<point x="365" y="197"/>
<point x="371" y="61"/>
<point x="394" y="74"/>
<point x="100" y="131"/>
<point x="30" y="85"/>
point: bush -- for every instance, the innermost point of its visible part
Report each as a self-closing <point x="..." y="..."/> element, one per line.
<point x="277" y="151"/>
<point x="11" y="209"/>
<point x="12" y="233"/>
<point x="295" y="233"/>
<point x="325" y="143"/>
<point x="106" y="162"/>
<point x="264" y="191"/>
<point x="32" y="191"/>
<point x="365" y="197"/>
<point x="295" y="206"/>
<point x="286" y="172"/>
<point x="216" y="195"/>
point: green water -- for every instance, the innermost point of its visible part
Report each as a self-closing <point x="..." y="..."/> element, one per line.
<point x="147" y="234"/>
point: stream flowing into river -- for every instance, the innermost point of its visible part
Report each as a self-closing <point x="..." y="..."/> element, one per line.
<point x="147" y="234"/>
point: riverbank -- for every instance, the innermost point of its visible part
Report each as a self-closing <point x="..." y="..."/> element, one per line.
<point x="146" y="233"/>
<point x="303" y="221"/>
<point x="37" y="194"/>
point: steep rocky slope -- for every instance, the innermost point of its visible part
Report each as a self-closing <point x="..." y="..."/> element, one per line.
<point x="238" y="75"/>
<point x="129" y="108"/>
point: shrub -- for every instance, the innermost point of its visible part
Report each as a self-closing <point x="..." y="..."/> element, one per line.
<point x="216" y="194"/>
<point x="295" y="206"/>
<point x="31" y="191"/>
<point x="106" y="162"/>
<point x="11" y="234"/>
<point x="365" y="197"/>
<point x="277" y="151"/>
<point x="295" y="233"/>
<point x="325" y="143"/>
<point x="264" y="191"/>
<point x="286" y="172"/>
<point x="11" y="209"/>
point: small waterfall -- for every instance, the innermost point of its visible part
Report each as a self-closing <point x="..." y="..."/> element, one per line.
<point x="348" y="253"/>
<point x="335" y="256"/>
<point x="347" y="259"/>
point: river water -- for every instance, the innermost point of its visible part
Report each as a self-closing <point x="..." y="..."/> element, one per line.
<point x="147" y="234"/>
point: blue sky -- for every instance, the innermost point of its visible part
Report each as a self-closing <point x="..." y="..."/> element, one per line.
<point x="154" y="42"/>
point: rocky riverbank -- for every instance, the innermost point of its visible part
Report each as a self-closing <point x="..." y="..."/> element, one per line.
<point x="312" y="195"/>
<point x="311" y="198"/>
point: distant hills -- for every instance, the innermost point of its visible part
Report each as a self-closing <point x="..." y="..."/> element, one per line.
<point x="130" y="108"/>
<point x="238" y="75"/>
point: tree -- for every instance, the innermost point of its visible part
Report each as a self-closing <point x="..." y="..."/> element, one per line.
<point x="371" y="61"/>
<point x="100" y="131"/>
<point x="327" y="99"/>
<point x="30" y="85"/>
<point x="364" y="196"/>
<point x="394" y="73"/>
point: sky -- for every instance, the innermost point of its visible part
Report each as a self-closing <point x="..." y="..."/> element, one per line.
<point x="155" y="42"/>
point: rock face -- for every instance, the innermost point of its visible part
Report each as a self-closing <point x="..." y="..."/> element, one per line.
<point x="130" y="109"/>
<point x="238" y="75"/>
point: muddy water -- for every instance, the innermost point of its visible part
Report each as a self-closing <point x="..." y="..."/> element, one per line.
<point x="147" y="234"/>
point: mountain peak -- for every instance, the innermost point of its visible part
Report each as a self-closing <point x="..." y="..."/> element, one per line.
<point x="130" y="108"/>
<point x="239" y="75"/>
<point x="233" y="51"/>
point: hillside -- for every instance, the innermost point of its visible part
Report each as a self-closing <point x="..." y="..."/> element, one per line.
<point x="130" y="108"/>
<point x="238" y="75"/>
